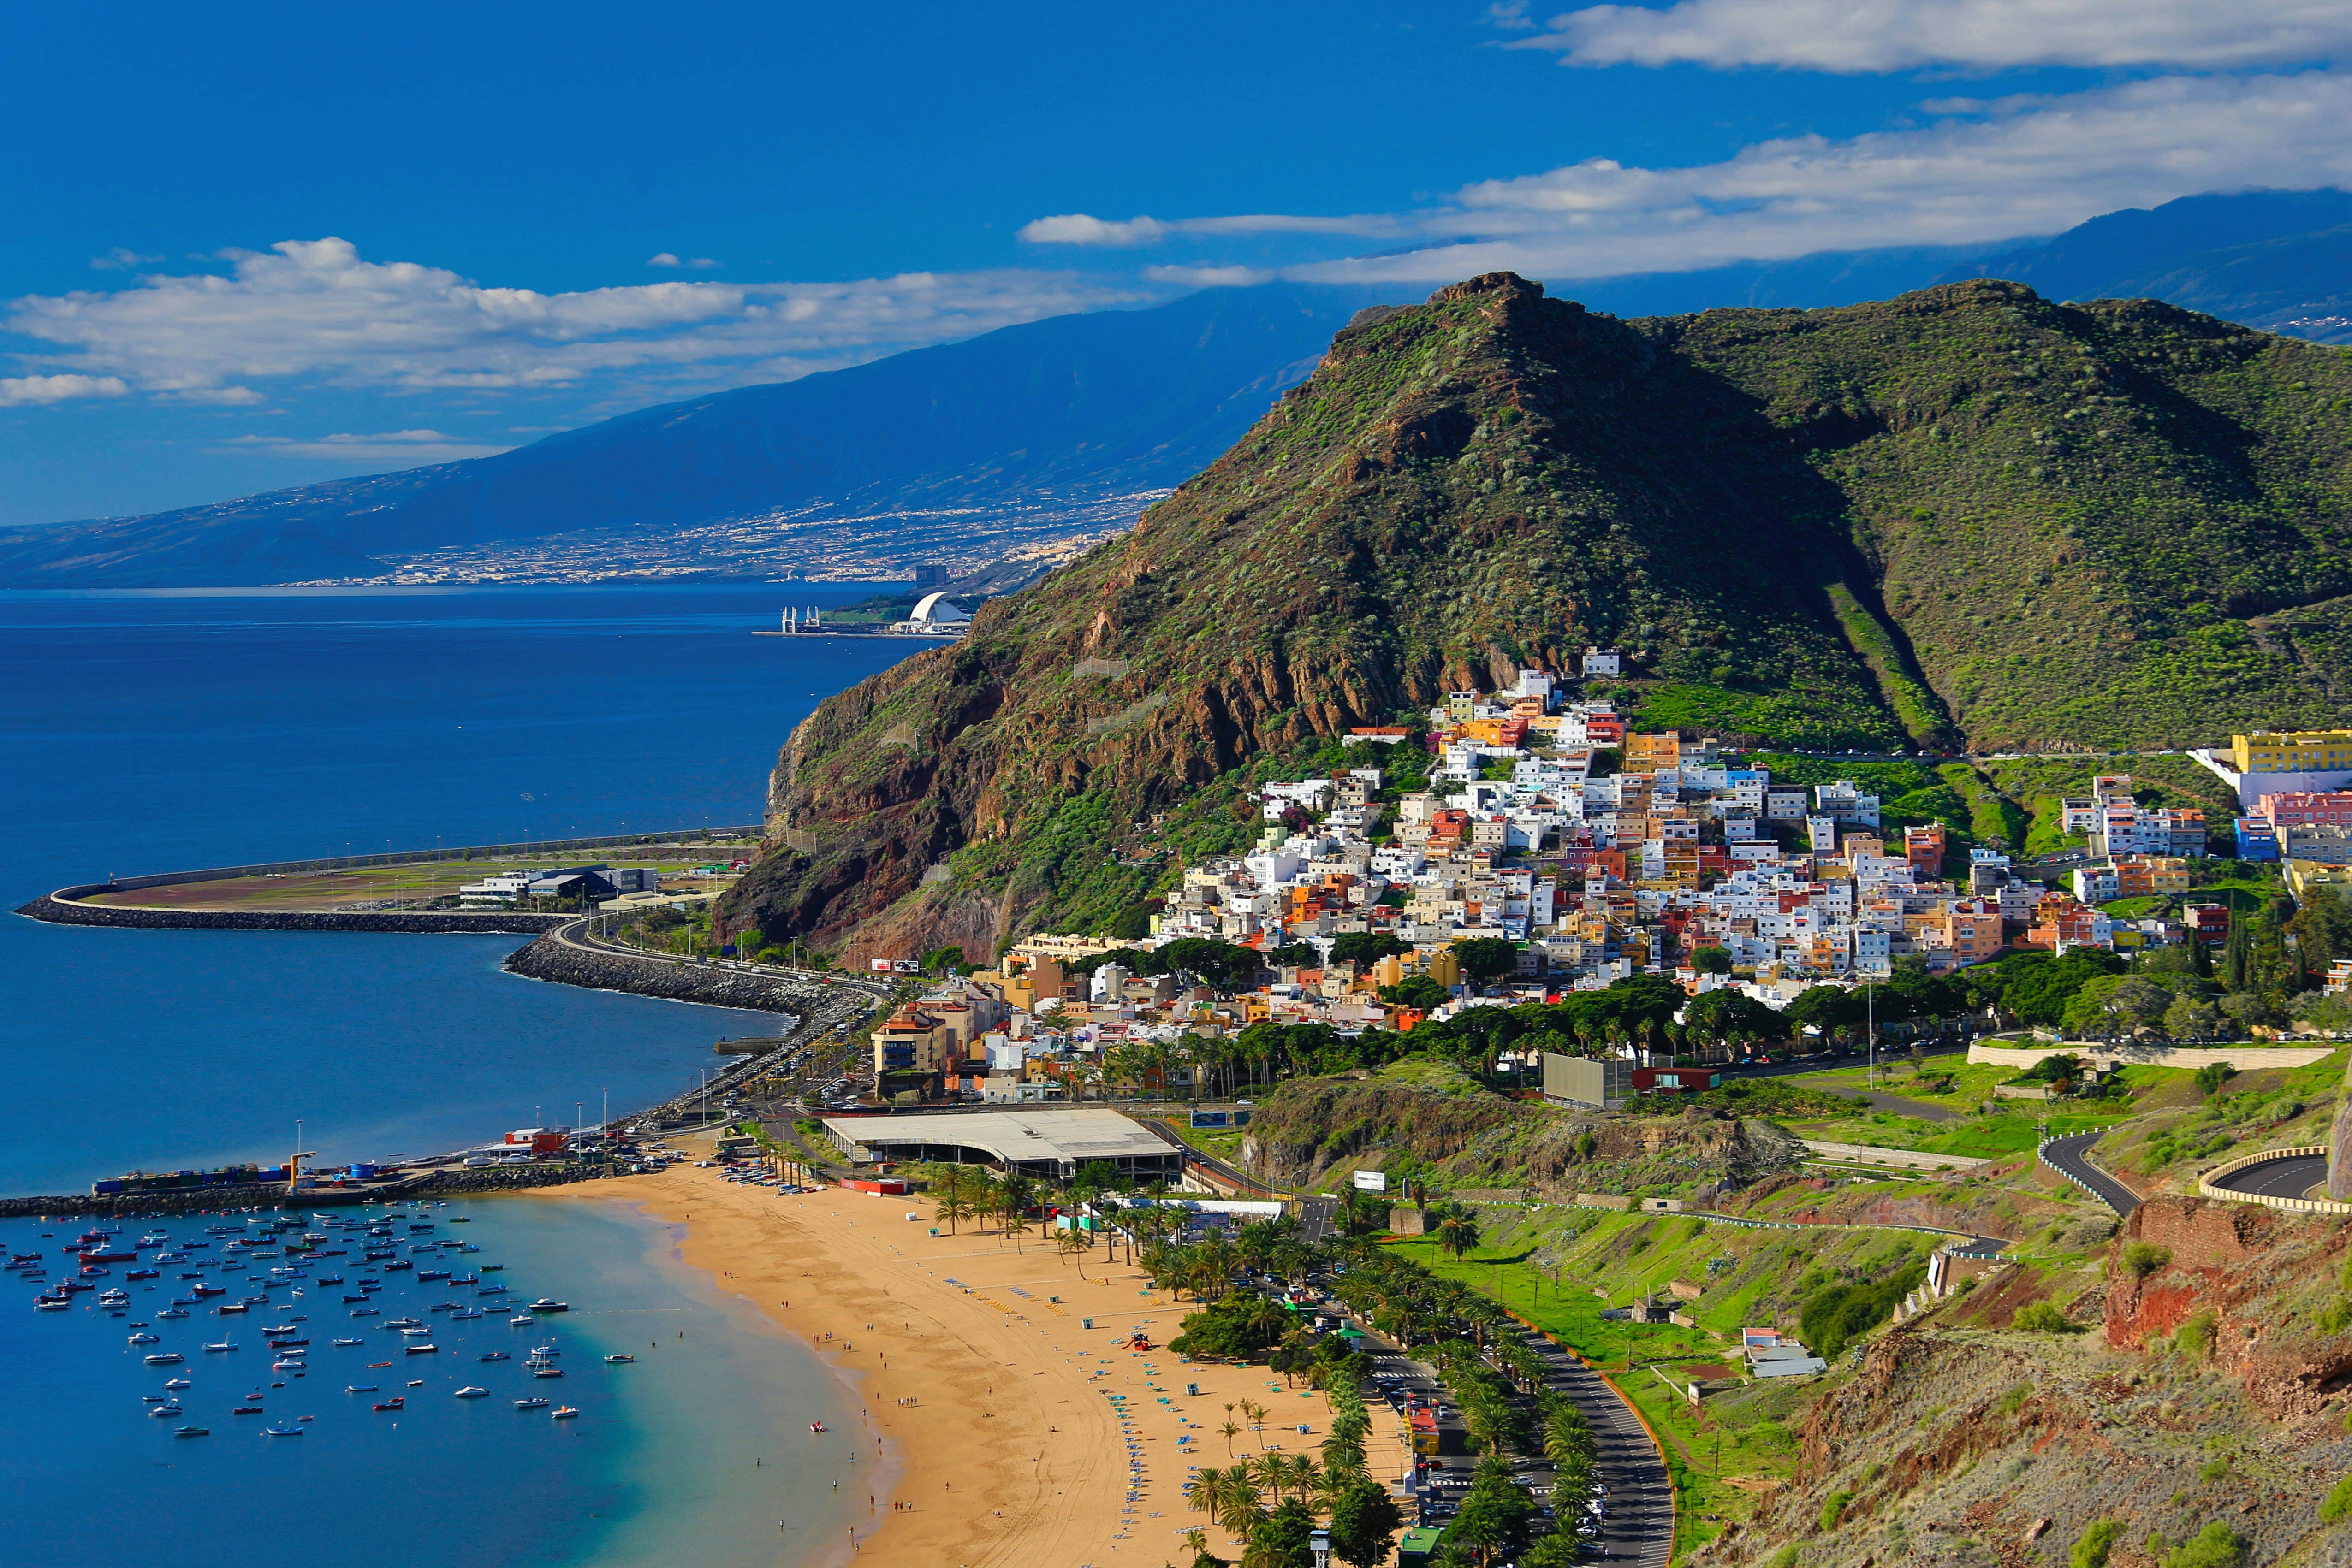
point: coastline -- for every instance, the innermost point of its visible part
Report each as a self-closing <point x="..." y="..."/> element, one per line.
<point x="1014" y="1454"/>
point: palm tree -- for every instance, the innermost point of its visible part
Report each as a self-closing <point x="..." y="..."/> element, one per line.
<point x="1457" y="1232"/>
<point x="1300" y="1471"/>
<point x="952" y="1200"/>
<point x="1075" y="1243"/>
<point x="1271" y="1472"/>
<point x="1231" y="1429"/>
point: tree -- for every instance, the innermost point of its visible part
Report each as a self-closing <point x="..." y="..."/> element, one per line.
<point x="1075" y="1244"/>
<point x="1487" y="957"/>
<point x="1457" y="1230"/>
<point x="1360" y="948"/>
<point x="2211" y="1076"/>
<point x="2191" y="1017"/>
<point x="2116" y="1004"/>
<point x="1281" y="1539"/>
<point x="1364" y="1523"/>
<point x="1711" y="960"/>
<point x="1726" y="1014"/>
<point x="951" y="1186"/>
<point x="1414" y="991"/>
<point x="940" y="960"/>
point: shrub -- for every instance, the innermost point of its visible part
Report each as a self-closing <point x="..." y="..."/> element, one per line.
<point x="2215" y="1546"/>
<point x="1834" y="1509"/>
<point x="1784" y="1558"/>
<point x="2196" y="1336"/>
<point x="2338" y="1502"/>
<point x="2014" y="1399"/>
<point x="2041" y="1317"/>
<point x="2097" y="1539"/>
<point x="2140" y="1260"/>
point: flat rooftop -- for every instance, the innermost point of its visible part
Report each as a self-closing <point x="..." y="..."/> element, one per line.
<point x="1067" y="1137"/>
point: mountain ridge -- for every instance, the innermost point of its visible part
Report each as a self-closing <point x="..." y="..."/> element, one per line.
<point x="1964" y="517"/>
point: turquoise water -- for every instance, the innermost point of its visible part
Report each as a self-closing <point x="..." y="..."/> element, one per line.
<point x="153" y="731"/>
<point x="693" y="1453"/>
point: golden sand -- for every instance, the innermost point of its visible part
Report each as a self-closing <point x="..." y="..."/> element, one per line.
<point x="1012" y="1452"/>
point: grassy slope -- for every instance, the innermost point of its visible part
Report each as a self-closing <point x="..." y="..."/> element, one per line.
<point x="2114" y="525"/>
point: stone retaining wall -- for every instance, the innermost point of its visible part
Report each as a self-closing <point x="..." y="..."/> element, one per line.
<point x="272" y="1195"/>
<point x="64" y="908"/>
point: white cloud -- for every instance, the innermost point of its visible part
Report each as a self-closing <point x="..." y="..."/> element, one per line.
<point x="1078" y="228"/>
<point x="121" y="260"/>
<point x="1208" y="277"/>
<point x="669" y="258"/>
<point x="316" y="308"/>
<point x="2003" y="168"/>
<point x="412" y="447"/>
<point x="1851" y="35"/>
<point x="16" y="392"/>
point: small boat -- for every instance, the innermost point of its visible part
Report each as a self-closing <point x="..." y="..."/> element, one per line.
<point x="546" y="1351"/>
<point x="234" y="1307"/>
<point x="359" y="1388"/>
<point x="618" y="1360"/>
<point x="168" y="1358"/>
<point x="246" y="1410"/>
<point x="396" y="1402"/>
<point x="349" y="1341"/>
<point x="816" y="1426"/>
<point x="470" y="1391"/>
<point x="194" y="1432"/>
<point x="222" y="1345"/>
<point x="144" y="1275"/>
<point x="281" y="1431"/>
<point x="171" y="1312"/>
<point x="563" y="1413"/>
<point x="417" y="1382"/>
<point x="521" y="1323"/>
<point x="498" y="1356"/>
<point x="47" y="1306"/>
<point x="547" y="1371"/>
<point x="548" y="1304"/>
<point x="145" y="1338"/>
<point x="172" y="1409"/>
<point x="421" y="1349"/>
<point x="530" y="1404"/>
<point x="178" y="1383"/>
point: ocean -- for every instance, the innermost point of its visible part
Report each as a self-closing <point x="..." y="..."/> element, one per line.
<point x="154" y="731"/>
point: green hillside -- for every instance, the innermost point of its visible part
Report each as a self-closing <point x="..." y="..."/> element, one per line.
<point x="1963" y="517"/>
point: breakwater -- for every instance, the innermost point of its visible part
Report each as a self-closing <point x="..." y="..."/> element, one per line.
<point x="273" y="1194"/>
<point x="64" y="907"/>
<point x="566" y="957"/>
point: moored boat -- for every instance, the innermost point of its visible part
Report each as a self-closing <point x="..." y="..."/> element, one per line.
<point x="563" y="1413"/>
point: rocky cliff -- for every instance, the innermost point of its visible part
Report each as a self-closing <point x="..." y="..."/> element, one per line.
<point x="2210" y="1401"/>
<point x="1966" y="516"/>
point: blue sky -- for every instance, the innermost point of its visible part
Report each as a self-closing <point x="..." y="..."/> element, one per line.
<point x="257" y="245"/>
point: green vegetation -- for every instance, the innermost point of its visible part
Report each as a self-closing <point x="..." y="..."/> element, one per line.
<point x="2215" y="1546"/>
<point x="2091" y="1548"/>
<point x="2338" y="1502"/>
<point x="2110" y="524"/>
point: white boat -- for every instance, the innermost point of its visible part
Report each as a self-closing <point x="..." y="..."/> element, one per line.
<point x="145" y="1338"/>
<point x="470" y="1391"/>
<point x="550" y="1304"/>
<point x="222" y="1345"/>
<point x="179" y="1383"/>
<point x="421" y="1349"/>
<point x="530" y="1404"/>
<point x="350" y="1342"/>
<point x="521" y="1323"/>
<point x="563" y="1413"/>
<point x="171" y="1312"/>
<point x="168" y="1358"/>
<point x="171" y="1409"/>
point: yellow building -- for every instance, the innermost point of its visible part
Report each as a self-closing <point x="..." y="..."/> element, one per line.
<point x="2293" y="751"/>
<point x="2304" y="878"/>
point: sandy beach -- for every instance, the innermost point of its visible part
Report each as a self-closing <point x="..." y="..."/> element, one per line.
<point x="1007" y="1432"/>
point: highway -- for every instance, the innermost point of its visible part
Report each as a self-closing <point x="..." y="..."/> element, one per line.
<point x="2290" y="1177"/>
<point x="2070" y="1157"/>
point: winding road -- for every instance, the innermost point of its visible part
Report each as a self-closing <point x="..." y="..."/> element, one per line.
<point x="2290" y="1177"/>
<point x="2070" y="1157"/>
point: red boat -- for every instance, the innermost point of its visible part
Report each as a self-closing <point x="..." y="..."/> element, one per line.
<point x="394" y="1403"/>
<point x="96" y="1257"/>
<point x="816" y="1426"/>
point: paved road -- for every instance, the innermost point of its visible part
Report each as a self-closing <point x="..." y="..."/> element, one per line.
<point x="1639" y="1527"/>
<point x="2289" y="1177"/>
<point x="2070" y="1157"/>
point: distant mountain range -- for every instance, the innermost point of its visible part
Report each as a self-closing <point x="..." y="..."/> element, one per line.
<point x="1011" y="445"/>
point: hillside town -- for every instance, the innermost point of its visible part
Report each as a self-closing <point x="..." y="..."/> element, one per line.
<point x="1550" y="850"/>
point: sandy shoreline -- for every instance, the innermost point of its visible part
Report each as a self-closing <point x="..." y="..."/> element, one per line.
<point x="1013" y="1451"/>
